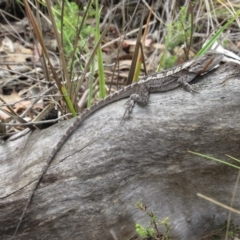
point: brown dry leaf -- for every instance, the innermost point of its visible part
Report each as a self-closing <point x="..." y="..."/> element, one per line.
<point x="15" y="52"/>
<point x="124" y="64"/>
<point x="12" y="27"/>
<point x="132" y="42"/>
<point x="6" y="45"/>
<point x="18" y="58"/>
<point x="21" y="49"/>
<point x="159" y="46"/>
<point x="10" y="99"/>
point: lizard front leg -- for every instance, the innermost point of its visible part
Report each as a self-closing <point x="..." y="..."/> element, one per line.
<point x="184" y="81"/>
<point x="140" y="97"/>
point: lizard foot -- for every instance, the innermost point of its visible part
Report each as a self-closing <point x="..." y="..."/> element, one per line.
<point x="188" y="87"/>
<point x="193" y="88"/>
<point x="128" y="109"/>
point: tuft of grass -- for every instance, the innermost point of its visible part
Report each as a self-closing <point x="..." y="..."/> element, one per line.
<point x="69" y="21"/>
<point x="176" y="24"/>
<point x="102" y="84"/>
<point x="178" y="32"/>
<point x="214" y="38"/>
<point x="71" y="32"/>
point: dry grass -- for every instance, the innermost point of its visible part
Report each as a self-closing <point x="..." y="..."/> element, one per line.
<point x="171" y="33"/>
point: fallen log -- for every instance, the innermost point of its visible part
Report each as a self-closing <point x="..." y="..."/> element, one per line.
<point x="91" y="189"/>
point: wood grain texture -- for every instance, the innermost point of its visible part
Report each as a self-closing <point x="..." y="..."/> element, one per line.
<point x="104" y="168"/>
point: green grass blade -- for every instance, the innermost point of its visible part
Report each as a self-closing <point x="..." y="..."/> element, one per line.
<point x="215" y="37"/>
<point x="99" y="55"/>
<point x="68" y="101"/>
<point x="215" y="159"/>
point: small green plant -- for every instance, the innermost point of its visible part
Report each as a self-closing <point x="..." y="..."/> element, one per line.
<point x="68" y="21"/>
<point x="234" y="230"/>
<point x="178" y="32"/>
<point x="152" y="230"/>
<point x="144" y="232"/>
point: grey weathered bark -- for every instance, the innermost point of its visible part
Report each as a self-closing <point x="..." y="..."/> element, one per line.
<point x="104" y="169"/>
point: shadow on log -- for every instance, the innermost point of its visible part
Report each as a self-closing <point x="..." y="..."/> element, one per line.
<point x="102" y="171"/>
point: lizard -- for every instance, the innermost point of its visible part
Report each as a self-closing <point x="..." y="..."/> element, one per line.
<point x="137" y="92"/>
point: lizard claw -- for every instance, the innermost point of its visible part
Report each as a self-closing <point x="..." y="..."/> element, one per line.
<point x="128" y="109"/>
<point x="192" y="88"/>
<point x="187" y="86"/>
